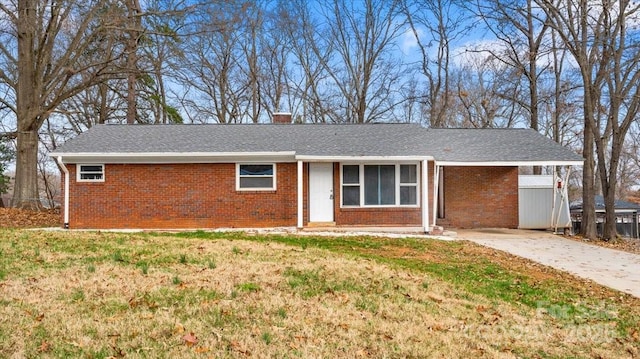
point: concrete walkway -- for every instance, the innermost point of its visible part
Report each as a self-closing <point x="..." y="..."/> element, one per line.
<point x="609" y="267"/>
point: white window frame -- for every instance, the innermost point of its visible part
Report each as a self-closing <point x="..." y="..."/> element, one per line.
<point x="343" y="185"/>
<point x="397" y="185"/>
<point x="79" y="172"/>
<point x="238" y="176"/>
<point x="400" y="184"/>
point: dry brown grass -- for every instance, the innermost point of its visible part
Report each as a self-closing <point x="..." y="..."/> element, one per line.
<point x="111" y="295"/>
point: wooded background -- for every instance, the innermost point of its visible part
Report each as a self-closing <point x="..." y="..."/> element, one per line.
<point x="567" y="68"/>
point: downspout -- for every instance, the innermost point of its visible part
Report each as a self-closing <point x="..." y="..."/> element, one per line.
<point x="66" y="191"/>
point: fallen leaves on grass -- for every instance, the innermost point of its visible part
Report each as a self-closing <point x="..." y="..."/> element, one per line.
<point x="44" y="347"/>
<point x="19" y="218"/>
<point x="190" y="339"/>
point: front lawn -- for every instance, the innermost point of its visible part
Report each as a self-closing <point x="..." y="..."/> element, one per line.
<point x="199" y="294"/>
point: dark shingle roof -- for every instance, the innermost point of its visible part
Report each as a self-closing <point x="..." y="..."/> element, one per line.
<point x="479" y="145"/>
<point x="599" y="203"/>
<point x="469" y="145"/>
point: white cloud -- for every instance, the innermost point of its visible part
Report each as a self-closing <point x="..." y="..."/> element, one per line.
<point x="408" y="41"/>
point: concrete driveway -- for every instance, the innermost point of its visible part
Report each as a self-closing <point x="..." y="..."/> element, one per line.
<point x="609" y="267"/>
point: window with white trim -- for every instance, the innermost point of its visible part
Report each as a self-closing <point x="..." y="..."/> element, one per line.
<point x="90" y="173"/>
<point x="375" y="185"/>
<point x="256" y="177"/>
<point x="350" y="185"/>
<point x="408" y="184"/>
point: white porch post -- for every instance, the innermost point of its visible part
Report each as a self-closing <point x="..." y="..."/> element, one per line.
<point x="300" y="195"/>
<point x="436" y="188"/>
<point x="425" y="195"/>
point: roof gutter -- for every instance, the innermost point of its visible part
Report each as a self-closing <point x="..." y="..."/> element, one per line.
<point x="510" y="163"/>
<point x="173" y="154"/>
<point x="174" y="157"/>
<point x="310" y="158"/>
<point x="66" y="191"/>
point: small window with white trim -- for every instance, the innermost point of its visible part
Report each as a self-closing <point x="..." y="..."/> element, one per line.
<point x="90" y="173"/>
<point x="256" y="177"/>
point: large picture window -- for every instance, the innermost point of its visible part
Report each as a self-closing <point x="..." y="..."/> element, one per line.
<point x="90" y="173"/>
<point x="256" y="177"/>
<point x="380" y="185"/>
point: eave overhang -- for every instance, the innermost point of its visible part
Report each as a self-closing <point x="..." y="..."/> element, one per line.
<point x="362" y="158"/>
<point x="282" y="156"/>
<point x="509" y="163"/>
<point x="175" y="157"/>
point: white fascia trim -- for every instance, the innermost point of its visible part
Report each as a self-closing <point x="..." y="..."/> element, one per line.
<point x="361" y="159"/>
<point x="510" y="163"/>
<point x="175" y="157"/>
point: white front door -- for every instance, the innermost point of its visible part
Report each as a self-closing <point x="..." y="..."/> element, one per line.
<point x="320" y="192"/>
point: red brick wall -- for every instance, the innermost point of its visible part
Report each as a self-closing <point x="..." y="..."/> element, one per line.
<point x="179" y="196"/>
<point x="205" y="196"/>
<point x="481" y="197"/>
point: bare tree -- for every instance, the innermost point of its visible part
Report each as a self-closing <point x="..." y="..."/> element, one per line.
<point x="56" y="59"/>
<point x="310" y="50"/>
<point x="445" y="22"/>
<point x="133" y="34"/>
<point x="253" y="23"/>
<point x="483" y="93"/>
<point x="277" y="82"/>
<point x="362" y="71"/>
<point x="519" y="27"/>
<point x="210" y="66"/>
<point x="604" y="43"/>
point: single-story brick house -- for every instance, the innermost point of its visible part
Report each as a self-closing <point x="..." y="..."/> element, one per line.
<point x="297" y="175"/>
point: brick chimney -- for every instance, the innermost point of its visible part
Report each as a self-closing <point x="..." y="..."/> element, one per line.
<point x="281" y="117"/>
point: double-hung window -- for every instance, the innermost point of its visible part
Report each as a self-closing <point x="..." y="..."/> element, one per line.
<point x="350" y="185"/>
<point x="408" y="184"/>
<point x="90" y="173"/>
<point x="373" y="185"/>
<point x="256" y="177"/>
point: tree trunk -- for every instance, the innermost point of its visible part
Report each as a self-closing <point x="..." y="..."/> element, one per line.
<point x="25" y="192"/>
<point x="609" y="184"/>
<point x="588" y="226"/>
<point x="103" y="91"/>
<point x="132" y="59"/>
<point x="534" y="48"/>
<point x="610" y="231"/>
